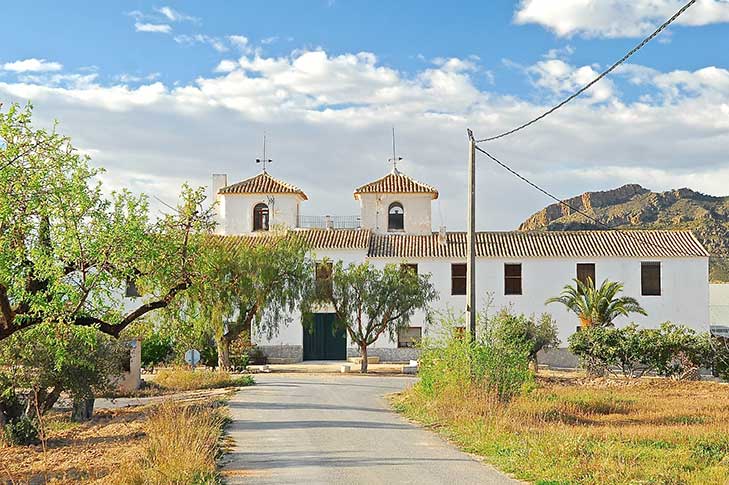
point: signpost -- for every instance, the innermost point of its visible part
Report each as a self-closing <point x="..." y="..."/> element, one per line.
<point x="192" y="357"/>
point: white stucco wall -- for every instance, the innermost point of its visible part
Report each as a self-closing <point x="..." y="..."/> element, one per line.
<point x="719" y="308"/>
<point x="374" y="211"/>
<point x="684" y="287"/>
<point x="235" y="211"/>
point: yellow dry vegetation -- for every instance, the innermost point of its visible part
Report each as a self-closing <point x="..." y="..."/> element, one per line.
<point x="185" y="379"/>
<point x="575" y="430"/>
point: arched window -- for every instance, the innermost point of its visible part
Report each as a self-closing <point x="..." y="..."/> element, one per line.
<point x="395" y="217"/>
<point x="260" y="217"/>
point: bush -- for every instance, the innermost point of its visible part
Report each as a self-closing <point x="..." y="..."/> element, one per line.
<point x="454" y="363"/>
<point x="156" y="349"/>
<point x="535" y="335"/>
<point x="720" y="357"/>
<point x="22" y="431"/>
<point x="670" y="351"/>
<point x="182" y="379"/>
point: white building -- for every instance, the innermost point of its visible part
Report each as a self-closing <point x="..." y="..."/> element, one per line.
<point x="719" y="309"/>
<point x="667" y="271"/>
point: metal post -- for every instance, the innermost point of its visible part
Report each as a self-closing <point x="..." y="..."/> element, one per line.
<point x="471" y="238"/>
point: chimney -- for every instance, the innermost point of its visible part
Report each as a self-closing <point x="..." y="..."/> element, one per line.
<point x="220" y="180"/>
<point x="328" y="222"/>
<point x="442" y="239"/>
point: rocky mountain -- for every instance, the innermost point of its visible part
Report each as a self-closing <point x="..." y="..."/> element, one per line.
<point x="634" y="207"/>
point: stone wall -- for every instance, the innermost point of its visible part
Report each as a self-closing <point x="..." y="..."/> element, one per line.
<point x="387" y="354"/>
<point x="560" y="358"/>
<point x="283" y="354"/>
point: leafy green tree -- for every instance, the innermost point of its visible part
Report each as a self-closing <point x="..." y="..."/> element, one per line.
<point x="370" y="302"/>
<point x="597" y="306"/>
<point x="535" y="334"/>
<point x="66" y="250"/>
<point x="41" y="362"/>
<point x="156" y="349"/>
<point x="248" y="284"/>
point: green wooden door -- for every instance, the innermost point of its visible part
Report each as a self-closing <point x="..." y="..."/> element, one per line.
<point x="321" y="342"/>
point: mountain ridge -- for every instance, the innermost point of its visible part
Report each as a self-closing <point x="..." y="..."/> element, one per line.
<point x="632" y="206"/>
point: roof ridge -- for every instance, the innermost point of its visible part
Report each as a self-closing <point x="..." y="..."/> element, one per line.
<point x="263" y="182"/>
<point x="396" y="182"/>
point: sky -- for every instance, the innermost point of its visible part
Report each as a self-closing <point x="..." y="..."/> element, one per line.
<point x="160" y="93"/>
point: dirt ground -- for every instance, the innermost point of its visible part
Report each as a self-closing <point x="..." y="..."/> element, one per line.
<point x="88" y="452"/>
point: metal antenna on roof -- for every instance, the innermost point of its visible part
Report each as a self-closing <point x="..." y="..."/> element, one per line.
<point x="394" y="158"/>
<point x="264" y="160"/>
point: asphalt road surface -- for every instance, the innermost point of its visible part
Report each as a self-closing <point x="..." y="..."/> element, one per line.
<point x="317" y="429"/>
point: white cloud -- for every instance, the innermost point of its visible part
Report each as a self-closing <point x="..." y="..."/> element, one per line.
<point x="328" y="118"/>
<point x="32" y="65"/>
<point x="214" y="42"/>
<point x="175" y="16"/>
<point x="616" y="18"/>
<point x="561" y="78"/>
<point x="148" y="27"/>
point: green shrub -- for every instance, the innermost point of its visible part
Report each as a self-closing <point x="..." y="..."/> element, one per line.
<point x="21" y="431"/>
<point x="670" y="351"/>
<point x="455" y="363"/>
<point x="535" y="334"/>
<point x="156" y="349"/>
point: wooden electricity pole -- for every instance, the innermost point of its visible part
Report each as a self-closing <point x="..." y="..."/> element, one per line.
<point x="471" y="238"/>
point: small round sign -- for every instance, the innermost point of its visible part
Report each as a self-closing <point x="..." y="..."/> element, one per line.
<point x="192" y="357"/>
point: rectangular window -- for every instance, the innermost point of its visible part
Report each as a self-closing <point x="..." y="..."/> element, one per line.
<point x="512" y="279"/>
<point x="409" y="267"/>
<point x="650" y="278"/>
<point x="408" y="337"/>
<point x="131" y="290"/>
<point x="324" y="278"/>
<point x="458" y="279"/>
<point x="585" y="272"/>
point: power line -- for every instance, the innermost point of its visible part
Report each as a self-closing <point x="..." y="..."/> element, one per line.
<point x="598" y="78"/>
<point x="626" y="233"/>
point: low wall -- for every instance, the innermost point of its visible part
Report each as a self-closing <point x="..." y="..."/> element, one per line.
<point x="387" y="354"/>
<point x="283" y="354"/>
<point x="560" y="358"/>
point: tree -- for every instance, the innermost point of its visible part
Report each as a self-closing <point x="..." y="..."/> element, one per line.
<point x="41" y="362"/>
<point x="67" y="251"/>
<point x="535" y="334"/>
<point x="597" y="307"/>
<point x="248" y="284"/>
<point x="370" y="302"/>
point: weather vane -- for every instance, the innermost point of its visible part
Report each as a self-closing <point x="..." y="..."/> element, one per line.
<point x="264" y="160"/>
<point x="394" y="158"/>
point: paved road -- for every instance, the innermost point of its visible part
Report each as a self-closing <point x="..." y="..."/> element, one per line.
<point x="317" y="429"/>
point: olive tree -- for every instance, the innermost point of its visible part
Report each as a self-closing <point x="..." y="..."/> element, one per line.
<point x="370" y="302"/>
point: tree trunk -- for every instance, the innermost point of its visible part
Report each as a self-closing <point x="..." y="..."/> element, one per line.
<point x="223" y="353"/>
<point x="363" y="354"/>
<point x="82" y="410"/>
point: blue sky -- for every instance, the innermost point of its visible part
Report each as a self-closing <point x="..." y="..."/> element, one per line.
<point x="145" y="86"/>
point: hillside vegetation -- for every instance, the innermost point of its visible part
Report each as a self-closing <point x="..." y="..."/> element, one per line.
<point x="634" y="207"/>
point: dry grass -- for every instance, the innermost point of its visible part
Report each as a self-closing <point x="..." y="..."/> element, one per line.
<point x="571" y="430"/>
<point x="77" y="452"/>
<point x="124" y="445"/>
<point x="182" y="447"/>
<point x="184" y="379"/>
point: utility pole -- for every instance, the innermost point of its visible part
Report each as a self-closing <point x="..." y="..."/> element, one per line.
<point x="471" y="238"/>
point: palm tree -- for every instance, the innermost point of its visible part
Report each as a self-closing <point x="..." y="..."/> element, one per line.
<point x="597" y="307"/>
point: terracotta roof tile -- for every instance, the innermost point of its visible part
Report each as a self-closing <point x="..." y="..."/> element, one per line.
<point x="262" y="183"/>
<point x="396" y="183"/>
<point x="557" y="244"/>
<point x="315" y="238"/>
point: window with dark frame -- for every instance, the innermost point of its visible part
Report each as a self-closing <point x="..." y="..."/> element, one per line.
<point x="512" y="278"/>
<point x="458" y="279"/>
<point x="395" y="217"/>
<point x="409" y="337"/>
<point x="586" y="272"/>
<point x="324" y="278"/>
<point x="650" y="278"/>
<point x="413" y="267"/>
<point x="260" y="217"/>
<point x="131" y="289"/>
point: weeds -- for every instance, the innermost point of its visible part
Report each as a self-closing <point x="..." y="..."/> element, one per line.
<point x="183" y="445"/>
<point x="182" y="379"/>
